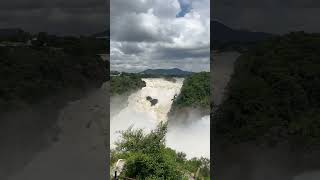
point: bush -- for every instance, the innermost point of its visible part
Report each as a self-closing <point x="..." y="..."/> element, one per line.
<point x="147" y="157"/>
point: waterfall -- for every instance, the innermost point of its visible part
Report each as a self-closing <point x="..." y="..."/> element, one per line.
<point x="139" y="113"/>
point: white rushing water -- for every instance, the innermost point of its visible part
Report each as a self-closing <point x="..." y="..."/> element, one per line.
<point x="193" y="138"/>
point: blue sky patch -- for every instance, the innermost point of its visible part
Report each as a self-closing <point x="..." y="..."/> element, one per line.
<point x="185" y="8"/>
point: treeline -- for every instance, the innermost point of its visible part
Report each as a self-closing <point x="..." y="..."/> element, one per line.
<point x="274" y="94"/>
<point x="147" y="157"/>
<point x="228" y="46"/>
<point x="126" y="82"/>
<point x="195" y="92"/>
<point x="78" y="46"/>
<point x="75" y="45"/>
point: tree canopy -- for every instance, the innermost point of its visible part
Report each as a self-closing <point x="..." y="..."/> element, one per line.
<point x="126" y="83"/>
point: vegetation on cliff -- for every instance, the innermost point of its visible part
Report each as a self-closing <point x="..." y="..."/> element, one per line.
<point x="147" y="157"/>
<point x="195" y="92"/>
<point x="274" y="94"/>
<point x="126" y="82"/>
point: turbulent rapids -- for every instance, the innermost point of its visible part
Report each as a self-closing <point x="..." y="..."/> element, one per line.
<point x="159" y="89"/>
<point x="139" y="113"/>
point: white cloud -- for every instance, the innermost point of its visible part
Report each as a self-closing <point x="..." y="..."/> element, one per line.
<point x="147" y="34"/>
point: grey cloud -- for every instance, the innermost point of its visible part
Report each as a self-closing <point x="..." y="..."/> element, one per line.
<point x="267" y="3"/>
<point x="274" y="16"/>
<point x="276" y="21"/>
<point x="119" y="7"/>
<point x="38" y="4"/>
<point x="183" y="53"/>
<point x="131" y="27"/>
<point x="147" y="34"/>
<point x="55" y="16"/>
<point x="131" y="31"/>
<point x="131" y="48"/>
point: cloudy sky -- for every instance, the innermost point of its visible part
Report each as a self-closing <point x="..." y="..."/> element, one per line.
<point x="275" y="16"/>
<point x="55" y="16"/>
<point x="160" y="34"/>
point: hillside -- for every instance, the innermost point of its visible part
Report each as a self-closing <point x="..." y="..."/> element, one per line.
<point x="224" y="33"/>
<point x="195" y="93"/>
<point x="273" y="96"/>
<point x="226" y="38"/>
<point x="166" y="72"/>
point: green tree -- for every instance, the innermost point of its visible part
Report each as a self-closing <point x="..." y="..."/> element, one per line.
<point x="195" y="92"/>
<point x="147" y="156"/>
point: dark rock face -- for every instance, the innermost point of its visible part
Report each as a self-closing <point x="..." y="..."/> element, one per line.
<point x="149" y="98"/>
<point x="152" y="101"/>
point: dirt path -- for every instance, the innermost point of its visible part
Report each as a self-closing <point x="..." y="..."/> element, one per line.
<point x="79" y="153"/>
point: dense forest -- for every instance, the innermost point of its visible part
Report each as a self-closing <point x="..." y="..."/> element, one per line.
<point x="195" y="92"/>
<point x="47" y="65"/>
<point x="274" y="94"/>
<point x="147" y="157"/>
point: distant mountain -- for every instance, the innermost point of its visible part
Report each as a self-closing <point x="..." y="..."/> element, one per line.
<point x="10" y="32"/>
<point x="104" y="34"/>
<point x="223" y="33"/>
<point x="167" y="72"/>
<point x="13" y="34"/>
